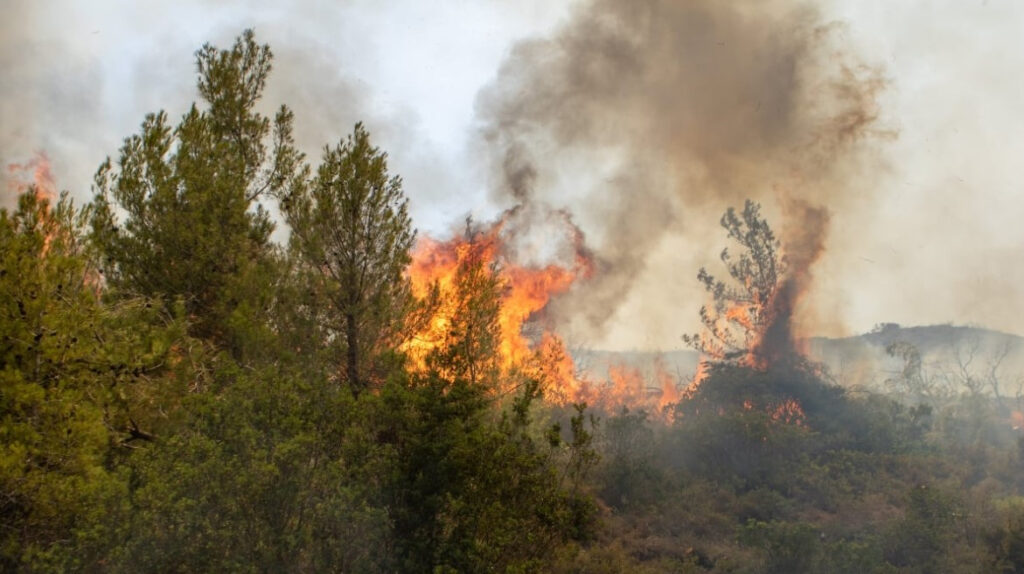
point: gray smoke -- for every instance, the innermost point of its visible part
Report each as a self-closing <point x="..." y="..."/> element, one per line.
<point x="41" y="97"/>
<point x="75" y="82"/>
<point x="684" y="108"/>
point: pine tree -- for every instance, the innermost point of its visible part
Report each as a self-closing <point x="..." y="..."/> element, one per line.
<point x="741" y="309"/>
<point x="178" y="216"/>
<point x="351" y="225"/>
<point x="72" y="370"/>
<point x="471" y="349"/>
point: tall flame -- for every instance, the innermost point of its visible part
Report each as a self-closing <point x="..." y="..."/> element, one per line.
<point x="527" y="290"/>
<point x="34" y="172"/>
<point x="527" y="342"/>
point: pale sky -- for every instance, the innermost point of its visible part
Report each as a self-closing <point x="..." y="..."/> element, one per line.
<point x="939" y="240"/>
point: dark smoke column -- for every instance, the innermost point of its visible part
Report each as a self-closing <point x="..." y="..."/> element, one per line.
<point x="682" y="108"/>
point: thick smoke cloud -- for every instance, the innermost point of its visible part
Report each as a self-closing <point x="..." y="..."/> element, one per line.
<point x="646" y="119"/>
<point x="683" y="108"/>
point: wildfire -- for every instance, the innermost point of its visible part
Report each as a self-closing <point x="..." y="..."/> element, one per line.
<point x="787" y="412"/>
<point x="1017" y="420"/>
<point x="525" y="292"/>
<point x="699" y="376"/>
<point x="34" y="172"/>
<point x="628" y="387"/>
<point x="753" y="322"/>
<point x="741" y="315"/>
<point x="527" y="343"/>
<point x="670" y="392"/>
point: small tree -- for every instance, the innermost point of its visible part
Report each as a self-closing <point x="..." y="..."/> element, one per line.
<point x="741" y="311"/>
<point x="472" y="342"/>
<point x="352" y="226"/>
<point x="913" y="379"/>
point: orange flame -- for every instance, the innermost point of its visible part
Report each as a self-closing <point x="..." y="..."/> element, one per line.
<point x="669" y="387"/>
<point x="699" y="376"/>
<point x="527" y="290"/>
<point x="787" y="412"/>
<point x="434" y="265"/>
<point x="34" y="172"/>
<point x="741" y="315"/>
<point x="527" y="344"/>
<point x="628" y="387"/>
<point x="1017" y="420"/>
<point x="556" y="365"/>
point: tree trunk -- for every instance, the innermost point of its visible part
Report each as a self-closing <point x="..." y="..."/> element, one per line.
<point x="352" y="352"/>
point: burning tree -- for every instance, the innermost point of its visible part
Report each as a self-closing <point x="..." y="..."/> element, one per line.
<point x="478" y="300"/>
<point x="471" y="316"/>
<point x="751" y="320"/>
<point x="740" y="314"/>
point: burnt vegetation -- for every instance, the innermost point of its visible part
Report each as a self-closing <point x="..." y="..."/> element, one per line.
<point x="180" y="394"/>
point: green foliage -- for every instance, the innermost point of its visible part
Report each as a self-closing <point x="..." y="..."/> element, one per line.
<point x="72" y="374"/>
<point x="267" y="478"/>
<point x="352" y="227"/>
<point x="474" y="495"/>
<point x="176" y="217"/>
<point x="789" y="547"/>
<point x="628" y="473"/>
<point x="1006" y="543"/>
<point x="922" y="539"/>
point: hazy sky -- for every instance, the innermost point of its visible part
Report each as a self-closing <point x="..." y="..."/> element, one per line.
<point x="935" y="235"/>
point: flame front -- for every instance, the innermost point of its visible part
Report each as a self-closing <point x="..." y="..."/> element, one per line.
<point x="628" y="387"/>
<point x="525" y="292"/>
<point x="527" y="342"/>
<point x="34" y="172"/>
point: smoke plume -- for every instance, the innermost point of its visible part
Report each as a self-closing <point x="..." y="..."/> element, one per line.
<point x="675" y="110"/>
<point x="804" y="237"/>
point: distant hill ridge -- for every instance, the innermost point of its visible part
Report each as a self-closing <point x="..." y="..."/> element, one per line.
<point x="926" y="337"/>
<point x="935" y="343"/>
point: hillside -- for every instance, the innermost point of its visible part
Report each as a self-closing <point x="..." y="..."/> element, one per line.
<point x="854" y="361"/>
<point x="948" y="351"/>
